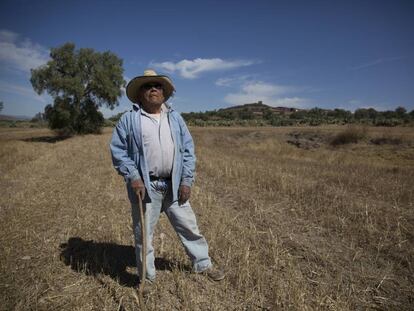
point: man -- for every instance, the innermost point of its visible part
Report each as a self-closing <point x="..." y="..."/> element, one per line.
<point x="153" y="149"/>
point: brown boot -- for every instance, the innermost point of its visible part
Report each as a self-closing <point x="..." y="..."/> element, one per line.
<point x="214" y="274"/>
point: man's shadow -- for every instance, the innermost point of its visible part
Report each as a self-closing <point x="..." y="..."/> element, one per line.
<point x="93" y="258"/>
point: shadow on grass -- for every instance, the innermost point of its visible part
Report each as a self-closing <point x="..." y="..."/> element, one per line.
<point x="46" y="139"/>
<point x="93" y="258"/>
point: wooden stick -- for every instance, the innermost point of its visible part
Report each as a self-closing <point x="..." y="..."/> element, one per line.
<point x="143" y="254"/>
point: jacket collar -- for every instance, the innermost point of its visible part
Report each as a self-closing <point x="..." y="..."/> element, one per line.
<point x="137" y="107"/>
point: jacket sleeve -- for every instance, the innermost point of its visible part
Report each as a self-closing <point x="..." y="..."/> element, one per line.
<point x="189" y="158"/>
<point x="119" y="150"/>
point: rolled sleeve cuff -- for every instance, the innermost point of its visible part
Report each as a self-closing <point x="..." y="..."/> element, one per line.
<point x="187" y="182"/>
<point x="133" y="176"/>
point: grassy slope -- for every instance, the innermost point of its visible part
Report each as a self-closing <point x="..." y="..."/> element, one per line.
<point x="295" y="229"/>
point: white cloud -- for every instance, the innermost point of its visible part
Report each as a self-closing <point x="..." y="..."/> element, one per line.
<point x="376" y="62"/>
<point x="191" y="69"/>
<point x="266" y="89"/>
<point x="378" y="107"/>
<point x="118" y="109"/>
<point x="123" y="88"/>
<point x="354" y="102"/>
<point x="28" y="92"/>
<point x="269" y="94"/>
<point x="226" y="81"/>
<point x="235" y="80"/>
<point x="295" y="102"/>
<point x="21" y="54"/>
<point x="8" y="36"/>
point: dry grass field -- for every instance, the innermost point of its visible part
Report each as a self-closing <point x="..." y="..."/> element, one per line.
<point x="297" y="226"/>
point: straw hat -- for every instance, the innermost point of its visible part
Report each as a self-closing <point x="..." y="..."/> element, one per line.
<point x="149" y="76"/>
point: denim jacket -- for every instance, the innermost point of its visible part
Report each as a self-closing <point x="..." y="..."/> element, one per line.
<point x="128" y="154"/>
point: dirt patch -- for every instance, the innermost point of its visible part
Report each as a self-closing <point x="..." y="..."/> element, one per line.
<point x="308" y="140"/>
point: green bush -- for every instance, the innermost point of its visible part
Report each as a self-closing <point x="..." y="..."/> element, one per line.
<point x="109" y="123"/>
<point x="315" y="122"/>
<point x="388" y="122"/>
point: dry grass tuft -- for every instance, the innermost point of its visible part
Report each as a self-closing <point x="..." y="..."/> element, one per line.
<point x="326" y="228"/>
<point x="351" y="135"/>
<point x="387" y="139"/>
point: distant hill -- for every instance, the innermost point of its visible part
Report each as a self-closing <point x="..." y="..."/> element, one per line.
<point x="259" y="108"/>
<point x="4" y="117"/>
<point x="259" y="114"/>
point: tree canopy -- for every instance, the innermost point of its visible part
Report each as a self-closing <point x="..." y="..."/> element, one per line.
<point x="80" y="81"/>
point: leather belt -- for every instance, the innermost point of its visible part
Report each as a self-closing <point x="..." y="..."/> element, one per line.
<point x="153" y="178"/>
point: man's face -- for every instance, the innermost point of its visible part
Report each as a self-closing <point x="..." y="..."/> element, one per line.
<point x="152" y="94"/>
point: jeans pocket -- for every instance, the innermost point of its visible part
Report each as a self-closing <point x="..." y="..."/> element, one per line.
<point x="160" y="186"/>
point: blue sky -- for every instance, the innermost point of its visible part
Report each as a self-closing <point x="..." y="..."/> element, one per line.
<point x="327" y="54"/>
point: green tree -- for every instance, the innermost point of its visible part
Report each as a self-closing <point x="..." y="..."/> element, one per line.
<point x="389" y="114"/>
<point x="267" y="114"/>
<point x="401" y="112"/>
<point x="340" y="114"/>
<point x="246" y="114"/>
<point x="116" y="117"/>
<point x="372" y="113"/>
<point x="39" y="117"/>
<point x="299" y="115"/>
<point x="361" y="113"/>
<point x="1" y="106"/>
<point x="80" y="81"/>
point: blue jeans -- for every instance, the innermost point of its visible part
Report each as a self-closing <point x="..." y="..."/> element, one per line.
<point x="183" y="220"/>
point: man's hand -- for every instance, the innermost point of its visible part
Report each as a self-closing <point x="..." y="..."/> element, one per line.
<point x="139" y="188"/>
<point x="184" y="193"/>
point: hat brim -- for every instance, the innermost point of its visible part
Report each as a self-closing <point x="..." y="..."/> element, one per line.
<point x="133" y="87"/>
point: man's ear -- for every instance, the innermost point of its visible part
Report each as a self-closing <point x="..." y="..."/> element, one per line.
<point x="139" y="96"/>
